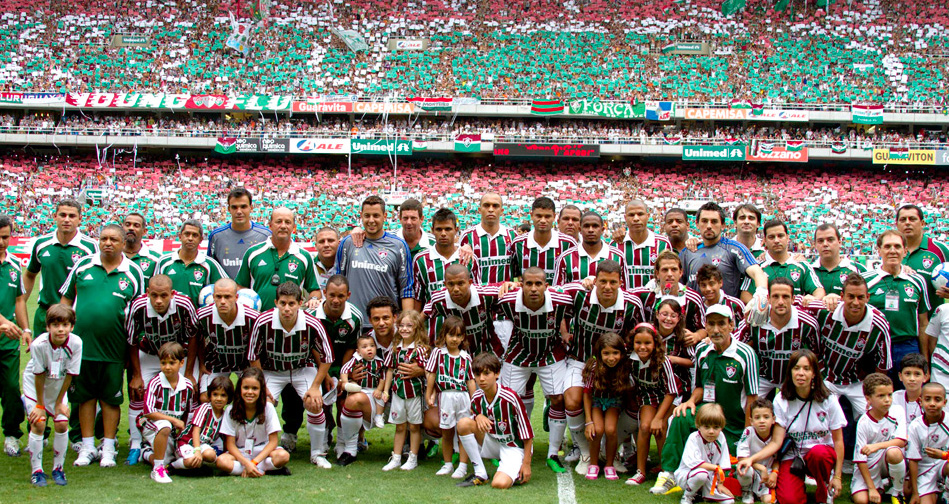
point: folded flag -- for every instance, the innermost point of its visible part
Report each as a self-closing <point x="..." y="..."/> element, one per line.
<point x="741" y="104"/>
<point x="547" y="107"/>
<point x="757" y="109"/>
<point x="672" y="140"/>
<point x="226" y="145"/>
<point x="838" y="147"/>
<point x="795" y="145"/>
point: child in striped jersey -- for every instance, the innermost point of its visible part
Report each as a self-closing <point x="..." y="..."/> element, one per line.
<point x="606" y="384"/>
<point x="759" y="480"/>
<point x="449" y="376"/>
<point x="878" y="450"/>
<point x="201" y="443"/>
<point x="411" y="347"/>
<point x="656" y="389"/>
<point x="168" y="399"/>
<point x="363" y="406"/>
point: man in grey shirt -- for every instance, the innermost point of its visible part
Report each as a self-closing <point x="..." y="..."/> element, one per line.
<point x="382" y="266"/>
<point x="227" y="244"/>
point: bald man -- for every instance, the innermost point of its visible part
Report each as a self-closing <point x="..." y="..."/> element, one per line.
<point x="640" y="246"/>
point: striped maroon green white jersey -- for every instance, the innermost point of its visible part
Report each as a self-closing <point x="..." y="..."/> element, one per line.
<point x="775" y="346"/>
<point x="492" y="252"/>
<point x="406" y="388"/>
<point x="651" y="389"/>
<point x="641" y="258"/>
<point x="690" y="301"/>
<point x="509" y="421"/>
<point x="161" y="397"/>
<point x="676" y="347"/>
<point x="279" y="350"/>
<point x="845" y="348"/>
<point x="208" y="425"/>
<point x="591" y="319"/>
<point x="525" y="253"/>
<point x="149" y="330"/>
<point x="478" y="317"/>
<point x="430" y="269"/>
<point x="536" y="340"/>
<point x="452" y="372"/>
<point x="575" y="264"/>
<point x="733" y="303"/>
<point x="375" y="371"/>
<point x="225" y="347"/>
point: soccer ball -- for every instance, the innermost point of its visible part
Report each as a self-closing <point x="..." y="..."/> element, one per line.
<point x="206" y="296"/>
<point x="249" y="299"/>
<point x="940" y="275"/>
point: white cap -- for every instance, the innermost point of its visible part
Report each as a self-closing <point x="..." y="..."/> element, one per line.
<point x="719" y="309"/>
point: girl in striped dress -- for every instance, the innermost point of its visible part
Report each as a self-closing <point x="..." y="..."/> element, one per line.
<point x="411" y="347"/>
<point x="606" y="385"/>
<point x="669" y="321"/>
<point x="450" y="387"/>
<point x="201" y="442"/>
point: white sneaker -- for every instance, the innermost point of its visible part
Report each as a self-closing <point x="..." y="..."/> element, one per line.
<point x="573" y="455"/>
<point x="460" y="472"/>
<point x="77" y="447"/>
<point x="107" y="458"/>
<point x="619" y="466"/>
<point x="378" y="422"/>
<point x="319" y="460"/>
<point x="11" y="446"/>
<point x="809" y="481"/>
<point x="445" y="470"/>
<point x="747" y="497"/>
<point x="160" y="475"/>
<point x="86" y="457"/>
<point x="686" y="498"/>
<point x="582" y="465"/>
<point x="394" y="462"/>
<point x="288" y="442"/>
<point x="411" y="463"/>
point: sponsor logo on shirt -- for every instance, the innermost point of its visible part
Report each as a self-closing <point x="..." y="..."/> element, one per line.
<point x="381" y="268"/>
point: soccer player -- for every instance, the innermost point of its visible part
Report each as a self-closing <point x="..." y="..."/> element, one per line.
<point x="430" y="264"/>
<point x="159" y="316"/>
<point x="832" y="269"/>
<point x="788" y="329"/>
<point x="189" y="268"/>
<point x="608" y="308"/>
<point x="326" y="242"/>
<point x="568" y="222"/>
<point x="411" y="217"/>
<point x="54" y="255"/>
<point x="382" y="266"/>
<point x="541" y="247"/>
<point x="923" y="253"/>
<point x="222" y="336"/>
<point x="777" y="262"/>
<point x="475" y="304"/>
<point x="490" y="241"/>
<point x="733" y="259"/>
<point x="279" y="259"/>
<point x="291" y="347"/>
<point x="709" y="280"/>
<point x="675" y="226"/>
<point x="227" y="244"/>
<point x="100" y="289"/>
<point x="747" y="219"/>
<point x="135" y="226"/>
<point x="665" y="284"/>
<point x="382" y="312"/>
<point x="902" y="298"/>
<point x="640" y="246"/>
<point x="580" y="262"/>
<point x="12" y="309"/>
<point x="536" y="347"/>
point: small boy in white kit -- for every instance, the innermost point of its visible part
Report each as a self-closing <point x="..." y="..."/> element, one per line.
<point x="55" y="358"/>
<point x="705" y="459"/>
<point x="927" y="445"/>
<point x="168" y="399"/>
<point x="914" y="372"/>
<point x="881" y="437"/>
<point x="762" y="478"/>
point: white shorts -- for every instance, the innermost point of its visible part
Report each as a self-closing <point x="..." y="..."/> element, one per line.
<point x="453" y="405"/>
<point x="686" y="478"/>
<point x="939" y="377"/>
<point x="765" y="386"/>
<point x="51" y="390"/>
<point x="876" y="464"/>
<point x="405" y="410"/>
<point x="150" y="365"/>
<point x="299" y="379"/>
<point x="257" y="449"/>
<point x="930" y="478"/>
<point x="510" y="458"/>
<point x="171" y="447"/>
<point x="504" y="328"/>
<point x="375" y="405"/>
<point x="854" y="394"/>
<point x="752" y="481"/>
<point x="551" y="377"/>
<point x="206" y="380"/>
<point x="574" y="375"/>
<point x="188" y="450"/>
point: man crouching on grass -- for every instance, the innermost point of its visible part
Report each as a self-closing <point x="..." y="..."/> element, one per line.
<point x="500" y="429"/>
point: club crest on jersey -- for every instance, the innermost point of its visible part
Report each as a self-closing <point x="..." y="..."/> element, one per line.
<point x="927" y="263"/>
<point x="843" y="277"/>
<point x="730" y="370"/>
<point x="795" y="276"/>
<point x="123" y="284"/>
<point x="934" y="437"/>
<point x="145" y="264"/>
<point x="716" y="261"/>
<point x="291" y="266"/>
<point x="76" y="256"/>
<point x="13" y="275"/>
<point x="198" y="275"/>
<point x="908" y="289"/>
<point x="652" y="258"/>
<point x="885" y="431"/>
<point x="822" y="416"/>
<point x="861" y="342"/>
<point x="795" y="344"/>
<point x="502" y="426"/>
<point x="382" y="254"/>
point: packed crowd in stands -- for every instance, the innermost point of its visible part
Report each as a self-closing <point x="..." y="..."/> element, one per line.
<point x="446" y="128"/>
<point x="879" y="50"/>
<point x="859" y="201"/>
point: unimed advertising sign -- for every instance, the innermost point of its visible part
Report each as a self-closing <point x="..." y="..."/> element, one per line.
<point x="713" y="153"/>
<point x="542" y="150"/>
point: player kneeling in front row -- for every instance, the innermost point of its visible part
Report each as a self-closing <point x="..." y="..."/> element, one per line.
<point x="56" y="357"/>
<point x="201" y="442"/>
<point x="251" y="431"/>
<point x="881" y="437"/>
<point x="168" y="398"/>
<point x="500" y="429"/>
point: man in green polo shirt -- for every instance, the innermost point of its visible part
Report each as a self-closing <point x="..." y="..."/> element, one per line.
<point x="277" y="260"/>
<point x="726" y="372"/>
<point x="901" y="297"/>
<point x="146" y="259"/>
<point x="777" y="263"/>
<point x="189" y="268"/>
<point x="923" y="253"/>
<point x="832" y="269"/>
<point x="53" y="255"/>
<point x="16" y="324"/>
<point x="100" y="288"/>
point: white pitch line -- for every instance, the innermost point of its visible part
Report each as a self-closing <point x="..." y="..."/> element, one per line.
<point x="565" y="490"/>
